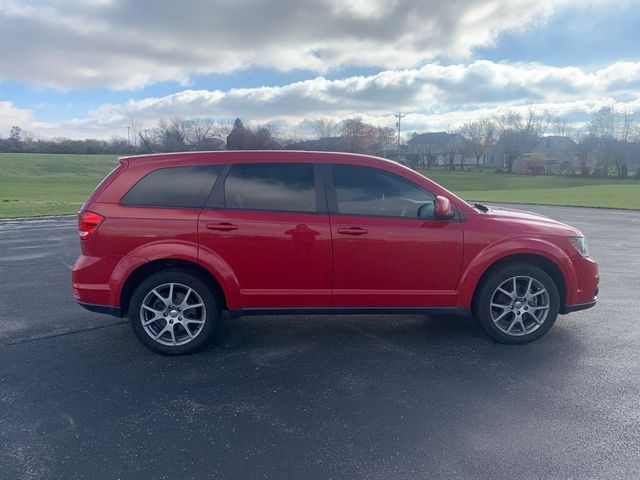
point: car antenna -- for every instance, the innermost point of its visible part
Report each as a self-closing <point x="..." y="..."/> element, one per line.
<point x="146" y="143"/>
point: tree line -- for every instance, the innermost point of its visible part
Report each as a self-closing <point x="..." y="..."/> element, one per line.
<point x="602" y="143"/>
<point x="610" y="140"/>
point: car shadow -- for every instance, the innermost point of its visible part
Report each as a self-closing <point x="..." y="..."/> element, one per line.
<point x="372" y="338"/>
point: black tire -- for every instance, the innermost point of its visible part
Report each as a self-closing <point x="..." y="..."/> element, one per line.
<point x="482" y="309"/>
<point x="202" y="333"/>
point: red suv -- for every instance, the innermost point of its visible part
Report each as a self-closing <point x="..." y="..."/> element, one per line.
<point x="171" y="240"/>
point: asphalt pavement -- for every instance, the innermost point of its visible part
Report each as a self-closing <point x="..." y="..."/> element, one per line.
<point x="364" y="396"/>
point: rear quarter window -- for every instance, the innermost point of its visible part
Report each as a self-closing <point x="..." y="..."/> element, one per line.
<point x="178" y="187"/>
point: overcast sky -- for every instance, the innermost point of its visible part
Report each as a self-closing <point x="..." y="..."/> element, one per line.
<point x="83" y="68"/>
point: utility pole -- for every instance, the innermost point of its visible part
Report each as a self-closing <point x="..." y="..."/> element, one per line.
<point x="399" y="116"/>
<point x="129" y="136"/>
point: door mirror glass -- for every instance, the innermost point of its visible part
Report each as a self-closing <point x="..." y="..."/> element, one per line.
<point x="443" y="207"/>
<point x="427" y="210"/>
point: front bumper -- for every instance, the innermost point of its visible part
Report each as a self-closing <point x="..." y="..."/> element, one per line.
<point x="580" y="306"/>
<point x="106" y="309"/>
<point x="582" y="290"/>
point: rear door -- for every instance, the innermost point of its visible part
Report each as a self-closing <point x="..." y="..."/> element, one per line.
<point x="389" y="249"/>
<point x="269" y="223"/>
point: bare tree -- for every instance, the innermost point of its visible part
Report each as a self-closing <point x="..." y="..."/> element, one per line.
<point x="517" y="133"/>
<point x="385" y="135"/>
<point x="613" y="128"/>
<point x="203" y="134"/>
<point x="587" y="145"/>
<point x="172" y="134"/>
<point x="324" y="127"/>
<point x="628" y="125"/>
<point x="560" y="126"/>
<point x="137" y="129"/>
<point x="479" y="136"/>
<point x="357" y="135"/>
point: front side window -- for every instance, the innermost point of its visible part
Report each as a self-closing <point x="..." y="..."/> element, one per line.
<point x="271" y="186"/>
<point x="369" y="191"/>
<point x="184" y="187"/>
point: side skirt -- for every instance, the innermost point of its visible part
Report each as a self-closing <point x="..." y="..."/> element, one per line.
<point x="351" y="311"/>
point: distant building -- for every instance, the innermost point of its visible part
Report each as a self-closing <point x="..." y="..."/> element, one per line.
<point x="497" y="155"/>
<point x="437" y="148"/>
<point x="560" y="153"/>
<point x="551" y="154"/>
<point x="393" y="152"/>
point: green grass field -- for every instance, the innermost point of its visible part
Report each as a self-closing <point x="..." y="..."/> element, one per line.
<point x="548" y="190"/>
<point x="42" y="184"/>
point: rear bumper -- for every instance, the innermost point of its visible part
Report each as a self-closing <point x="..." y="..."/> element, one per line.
<point x="106" y="309"/>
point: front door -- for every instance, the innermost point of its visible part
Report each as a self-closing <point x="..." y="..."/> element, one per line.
<point x="389" y="249"/>
<point x="271" y="227"/>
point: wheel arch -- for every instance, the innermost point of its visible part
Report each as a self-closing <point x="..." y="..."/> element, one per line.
<point x="541" y="261"/>
<point x="537" y="251"/>
<point x="149" y="268"/>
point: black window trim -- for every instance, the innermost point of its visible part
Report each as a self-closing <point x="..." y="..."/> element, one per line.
<point x="216" y="199"/>
<point x="332" y="197"/>
<point x="174" y="207"/>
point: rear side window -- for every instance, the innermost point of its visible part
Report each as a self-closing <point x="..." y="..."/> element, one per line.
<point x="370" y="191"/>
<point x="271" y="186"/>
<point x="186" y="187"/>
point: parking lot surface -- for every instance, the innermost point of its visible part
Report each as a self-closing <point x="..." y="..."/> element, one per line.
<point x="364" y="396"/>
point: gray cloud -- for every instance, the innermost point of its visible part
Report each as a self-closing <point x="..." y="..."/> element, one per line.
<point x="429" y="88"/>
<point x="433" y="96"/>
<point x="129" y="44"/>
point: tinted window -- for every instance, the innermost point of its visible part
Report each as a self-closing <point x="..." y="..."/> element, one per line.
<point x="262" y="186"/>
<point x="369" y="191"/>
<point x="174" y="187"/>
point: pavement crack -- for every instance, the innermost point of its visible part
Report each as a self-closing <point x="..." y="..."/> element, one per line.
<point x="62" y="334"/>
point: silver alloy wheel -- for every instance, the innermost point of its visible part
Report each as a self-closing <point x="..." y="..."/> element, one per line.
<point x="173" y="314"/>
<point x="519" y="305"/>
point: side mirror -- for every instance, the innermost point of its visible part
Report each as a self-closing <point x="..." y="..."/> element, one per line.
<point x="427" y="210"/>
<point x="443" y="207"/>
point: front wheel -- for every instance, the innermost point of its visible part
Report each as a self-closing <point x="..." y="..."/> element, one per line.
<point x="517" y="303"/>
<point x="174" y="312"/>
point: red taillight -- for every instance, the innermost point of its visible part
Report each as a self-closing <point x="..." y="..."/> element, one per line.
<point x="87" y="223"/>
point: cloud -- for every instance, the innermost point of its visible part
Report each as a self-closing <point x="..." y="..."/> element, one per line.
<point x="11" y="115"/>
<point x="130" y="44"/>
<point x="433" y="96"/>
<point x="431" y="88"/>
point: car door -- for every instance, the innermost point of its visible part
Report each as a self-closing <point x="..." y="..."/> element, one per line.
<point x="269" y="223"/>
<point x="389" y="249"/>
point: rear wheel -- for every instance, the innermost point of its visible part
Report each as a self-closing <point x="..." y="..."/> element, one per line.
<point x="174" y="312"/>
<point x="517" y="303"/>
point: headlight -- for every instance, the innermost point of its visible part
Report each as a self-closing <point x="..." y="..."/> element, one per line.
<point x="580" y="244"/>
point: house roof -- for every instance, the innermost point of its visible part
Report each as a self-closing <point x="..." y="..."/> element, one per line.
<point x="564" y="143"/>
<point x="529" y="143"/>
<point x="432" y="137"/>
